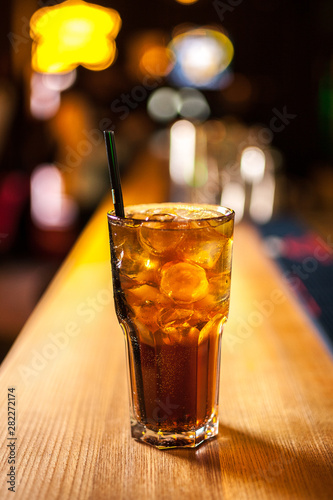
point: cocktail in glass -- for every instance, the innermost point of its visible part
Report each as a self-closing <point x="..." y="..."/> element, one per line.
<point x="171" y="268"/>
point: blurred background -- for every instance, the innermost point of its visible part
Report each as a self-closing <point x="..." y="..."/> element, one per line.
<point x="232" y="101"/>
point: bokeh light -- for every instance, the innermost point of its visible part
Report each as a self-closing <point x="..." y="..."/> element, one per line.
<point x="193" y="105"/>
<point x="44" y="102"/>
<point x="59" y="81"/>
<point x="202" y="55"/>
<point x="262" y="199"/>
<point x="157" y="61"/>
<point x="50" y="207"/>
<point x="163" y="104"/>
<point x="148" y="54"/>
<point x="233" y="196"/>
<point x="73" y="33"/>
<point x="182" y="152"/>
<point x="253" y="162"/>
<point x="186" y="2"/>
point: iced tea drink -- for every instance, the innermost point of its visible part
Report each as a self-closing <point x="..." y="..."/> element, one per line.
<point x="171" y="267"/>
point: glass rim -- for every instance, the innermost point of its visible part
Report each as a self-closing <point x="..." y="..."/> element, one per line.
<point x="225" y="214"/>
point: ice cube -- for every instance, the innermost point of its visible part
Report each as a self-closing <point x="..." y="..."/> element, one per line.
<point x="217" y="298"/>
<point x="161" y="217"/>
<point x="219" y="286"/>
<point x="208" y="307"/>
<point x="203" y="247"/>
<point x="119" y="236"/>
<point x="226" y="256"/>
<point x="143" y="301"/>
<point x="133" y="260"/>
<point x="187" y="336"/>
<point x="173" y="320"/>
<point x="146" y="314"/>
<point x="194" y="213"/>
<point x="183" y="282"/>
<point x="144" y="293"/>
<point x="158" y="240"/>
<point x="184" y="336"/>
<point x="224" y="228"/>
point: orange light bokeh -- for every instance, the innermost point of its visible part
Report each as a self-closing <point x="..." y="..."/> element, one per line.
<point x="186" y="2"/>
<point x="157" y="61"/>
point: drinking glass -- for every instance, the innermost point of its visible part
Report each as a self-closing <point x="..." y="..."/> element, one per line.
<point x="171" y="269"/>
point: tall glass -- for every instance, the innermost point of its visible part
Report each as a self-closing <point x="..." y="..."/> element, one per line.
<point x="171" y="268"/>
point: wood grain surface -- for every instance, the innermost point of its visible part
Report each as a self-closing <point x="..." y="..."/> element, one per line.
<point x="72" y="428"/>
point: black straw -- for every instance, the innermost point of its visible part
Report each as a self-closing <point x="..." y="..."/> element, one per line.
<point x="117" y="195"/>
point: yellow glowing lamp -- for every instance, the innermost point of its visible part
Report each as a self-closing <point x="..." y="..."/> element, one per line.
<point x="73" y="33"/>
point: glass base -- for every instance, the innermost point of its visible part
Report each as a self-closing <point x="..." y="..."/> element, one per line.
<point x="165" y="440"/>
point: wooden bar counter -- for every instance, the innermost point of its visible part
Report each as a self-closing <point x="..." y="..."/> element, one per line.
<point x="71" y="399"/>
